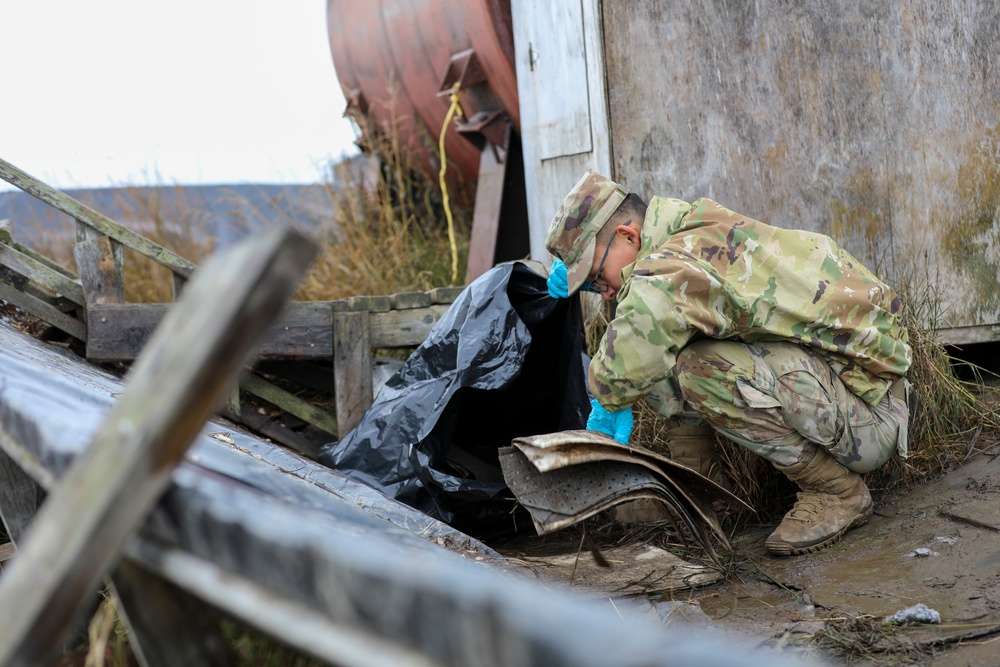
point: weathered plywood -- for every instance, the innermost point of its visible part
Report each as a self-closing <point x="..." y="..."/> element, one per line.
<point x="173" y="388"/>
<point x="553" y="33"/>
<point x="877" y="123"/>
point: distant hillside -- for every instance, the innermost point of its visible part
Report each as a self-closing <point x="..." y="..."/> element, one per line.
<point x="225" y="212"/>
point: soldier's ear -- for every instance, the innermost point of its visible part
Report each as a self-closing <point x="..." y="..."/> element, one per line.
<point x="630" y="233"/>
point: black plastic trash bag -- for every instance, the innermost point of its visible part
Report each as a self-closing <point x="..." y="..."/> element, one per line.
<point x="505" y="361"/>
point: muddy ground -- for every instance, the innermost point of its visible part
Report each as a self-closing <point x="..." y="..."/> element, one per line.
<point x="936" y="544"/>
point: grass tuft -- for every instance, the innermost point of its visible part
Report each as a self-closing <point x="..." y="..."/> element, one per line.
<point x="388" y="231"/>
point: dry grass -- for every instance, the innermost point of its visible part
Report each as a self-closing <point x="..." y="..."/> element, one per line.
<point x="389" y="231"/>
<point x="867" y="640"/>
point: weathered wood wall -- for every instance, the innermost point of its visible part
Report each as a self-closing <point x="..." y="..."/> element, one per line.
<point x="875" y="122"/>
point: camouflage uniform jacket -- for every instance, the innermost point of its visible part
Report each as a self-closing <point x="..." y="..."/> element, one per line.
<point x="705" y="271"/>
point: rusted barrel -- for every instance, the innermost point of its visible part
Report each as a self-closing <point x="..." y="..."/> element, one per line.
<point x="394" y="57"/>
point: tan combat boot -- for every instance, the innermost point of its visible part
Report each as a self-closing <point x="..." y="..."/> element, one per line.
<point x="694" y="447"/>
<point x="832" y="501"/>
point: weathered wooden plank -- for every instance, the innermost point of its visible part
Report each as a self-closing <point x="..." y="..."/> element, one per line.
<point x="19" y="497"/>
<point x="86" y="233"/>
<point x="92" y="218"/>
<point x="41" y="274"/>
<point x="44" y="261"/>
<point x="176" y="384"/>
<point x="352" y="362"/>
<point x="289" y="402"/>
<point x="168" y="625"/>
<point x="445" y="294"/>
<point x="287" y="618"/>
<point x="102" y="275"/>
<point x="405" y="300"/>
<point x="43" y="311"/>
<point x="486" y="214"/>
<point x="117" y="332"/>
<point x="373" y="304"/>
<point x="403" y="328"/>
<point x="278" y="433"/>
<point x="302" y="331"/>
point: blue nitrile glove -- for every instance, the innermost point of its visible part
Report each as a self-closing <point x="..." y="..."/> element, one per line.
<point x="557" y="281"/>
<point x="617" y="424"/>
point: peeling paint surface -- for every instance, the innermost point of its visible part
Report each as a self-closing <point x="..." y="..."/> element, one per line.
<point x="876" y="123"/>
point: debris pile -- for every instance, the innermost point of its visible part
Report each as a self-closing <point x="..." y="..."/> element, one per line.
<point x="563" y="478"/>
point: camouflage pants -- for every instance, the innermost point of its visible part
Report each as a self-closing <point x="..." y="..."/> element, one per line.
<point x="773" y="398"/>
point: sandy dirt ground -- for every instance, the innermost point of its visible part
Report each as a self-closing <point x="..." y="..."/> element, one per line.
<point x="936" y="544"/>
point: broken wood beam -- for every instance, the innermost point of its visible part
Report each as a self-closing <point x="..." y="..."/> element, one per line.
<point x="176" y="384"/>
<point x="41" y="274"/>
<point x="101" y="271"/>
<point x="97" y="221"/>
<point x="289" y="402"/>
<point x="352" y="363"/>
<point x="486" y="214"/>
<point x="43" y="311"/>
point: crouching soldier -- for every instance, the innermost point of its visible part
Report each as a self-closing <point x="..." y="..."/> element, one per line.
<point x="778" y="339"/>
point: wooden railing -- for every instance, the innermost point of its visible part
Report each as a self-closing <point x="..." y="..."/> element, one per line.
<point x="91" y="307"/>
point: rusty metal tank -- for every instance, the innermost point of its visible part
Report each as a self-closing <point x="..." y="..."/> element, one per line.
<point x="398" y="59"/>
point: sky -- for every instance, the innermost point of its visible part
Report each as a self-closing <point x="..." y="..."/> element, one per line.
<point x="104" y="93"/>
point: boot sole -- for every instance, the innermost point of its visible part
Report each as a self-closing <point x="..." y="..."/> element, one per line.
<point x="785" y="549"/>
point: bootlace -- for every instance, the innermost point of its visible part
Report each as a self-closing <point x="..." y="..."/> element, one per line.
<point x="807" y="506"/>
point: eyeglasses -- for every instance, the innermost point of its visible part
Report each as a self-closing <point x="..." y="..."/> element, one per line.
<point x="593" y="285"/>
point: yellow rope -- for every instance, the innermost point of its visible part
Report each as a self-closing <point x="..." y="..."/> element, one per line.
<point x="455" y="106"/>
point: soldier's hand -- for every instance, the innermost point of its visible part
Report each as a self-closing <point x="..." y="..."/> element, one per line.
<point x="558" y="282"/>
<point x="617" y="424"/>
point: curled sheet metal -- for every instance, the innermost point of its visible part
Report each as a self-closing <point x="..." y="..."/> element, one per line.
<point x="563" y="478"/>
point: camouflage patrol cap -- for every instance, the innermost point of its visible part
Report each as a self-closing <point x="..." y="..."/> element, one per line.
<point x="574" y="229"/>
